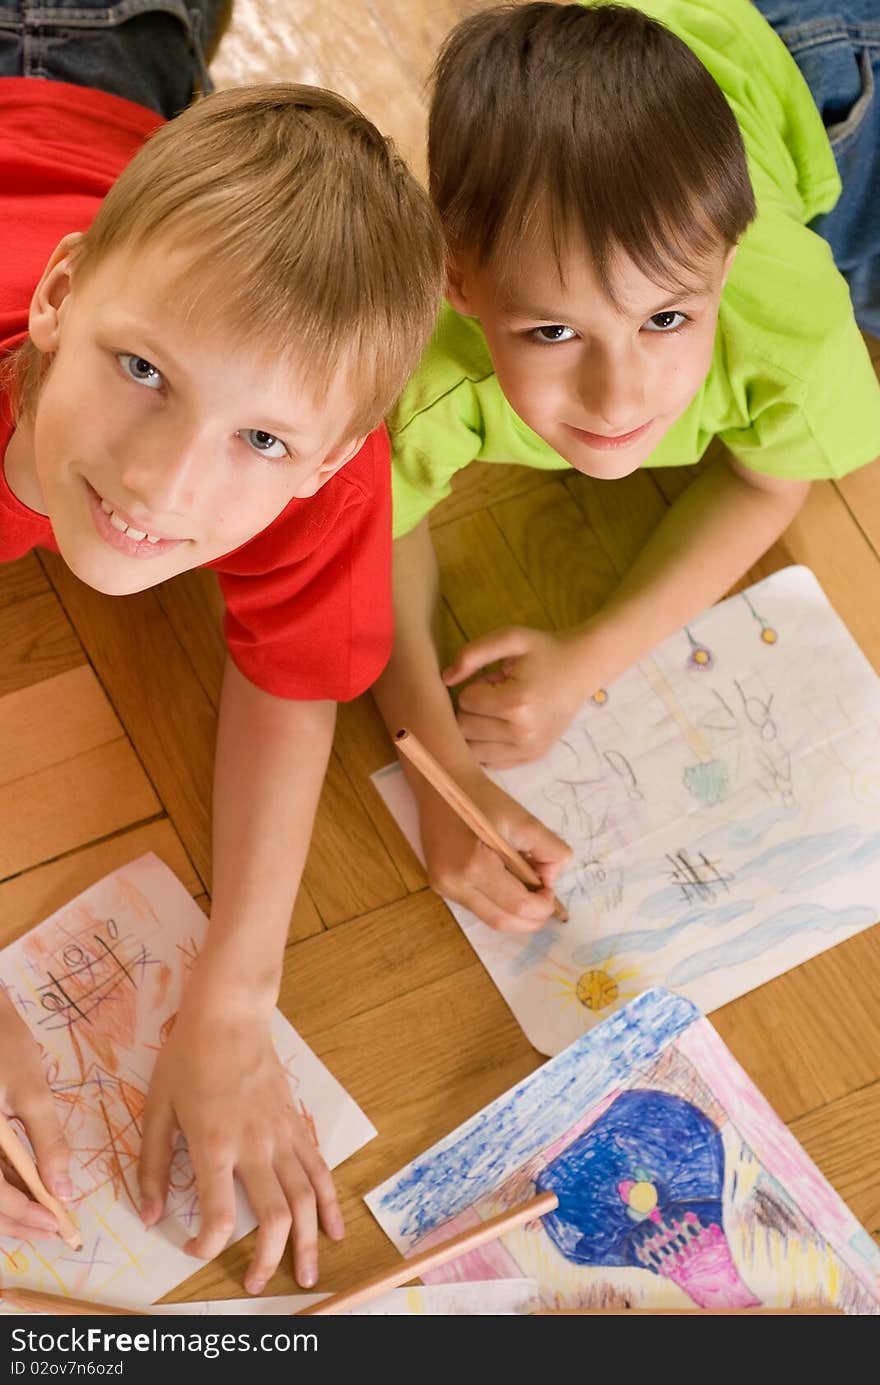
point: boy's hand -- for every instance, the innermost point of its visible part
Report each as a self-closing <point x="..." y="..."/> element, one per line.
<point x="24" y="1093"/>
<point x="462" y="869"/>
<point x="219" y="1081"/>
<point x="515" y="714"/>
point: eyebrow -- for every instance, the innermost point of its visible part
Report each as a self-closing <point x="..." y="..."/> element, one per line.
<point x="145" y="339"/>
<point x="544" y="314"/>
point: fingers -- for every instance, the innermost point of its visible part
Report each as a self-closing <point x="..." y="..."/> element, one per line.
<point x="274" y="1207"/>
<point x="51" y="1150"/>
<point x="214" y="1170"/>
<point x="488" y="889"/>
<point x="548" y="853"/>
<point x="157" y="1149"/>
<point x="491" y="755"/>
<point x="22" y="1218"/>
<point x="492" y="701"/>
<point x="287" y="1201"/>
<point x="499" y="644"/>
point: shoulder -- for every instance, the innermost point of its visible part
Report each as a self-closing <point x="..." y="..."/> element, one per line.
<point x="456" y="356"/>
<point x="785" y="305"/>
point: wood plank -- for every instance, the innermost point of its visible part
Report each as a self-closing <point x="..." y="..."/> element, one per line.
<point x="483" y="484"/>
<point x="560" y="555"/>
<point x="364" y="746"/>
<point x="52" y="721"/>
<point x="193" y="606"/>
<point x="299" y="46"/>
<point x="826" y="539"/>
<point x="836" y="1137"/>
<point x="622" y="514"/>
<point x="20" y="580"/>
<point x="27" y="899"/>
<point x="481" y="579"/>
<point x="371" y="961"/>
<point x="861" y="493"/>
<point x="37" y="642"/>
<point x="811" y="1036"/>
<point x="157" y="697"/>
<point x="65" y="806"/>
<point x="348" y="870"/>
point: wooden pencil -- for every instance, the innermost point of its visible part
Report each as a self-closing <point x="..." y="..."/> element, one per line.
<point x="34" y="1300"/>
<point x="467" y="810"/>
<point x="437" y="1255"/>
<point x="24" y="1166"/>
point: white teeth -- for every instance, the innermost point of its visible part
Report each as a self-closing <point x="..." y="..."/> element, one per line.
<point x="125" y="528"/>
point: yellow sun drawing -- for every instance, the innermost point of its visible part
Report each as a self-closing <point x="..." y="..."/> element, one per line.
<point x="599" y="987"/>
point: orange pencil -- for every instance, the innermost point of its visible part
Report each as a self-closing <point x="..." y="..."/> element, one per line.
<point x="27" y="1171"/>
<point x="470" y="814"/>
<point x="36" y="1301"/>
<point x="437" y="1255"/>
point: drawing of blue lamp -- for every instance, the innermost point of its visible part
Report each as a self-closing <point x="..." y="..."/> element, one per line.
<point x="643" y="1187"/>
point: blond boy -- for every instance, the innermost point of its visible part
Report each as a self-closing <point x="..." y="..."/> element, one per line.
<point x="199" y="354"/>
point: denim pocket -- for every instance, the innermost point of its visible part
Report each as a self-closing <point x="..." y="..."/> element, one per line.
<point x="846" y="129"/>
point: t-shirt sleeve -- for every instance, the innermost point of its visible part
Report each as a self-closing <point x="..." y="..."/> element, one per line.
<point x="428" y="450"/>
<point x="308" y="602"/>
<point x="822" y="427"/>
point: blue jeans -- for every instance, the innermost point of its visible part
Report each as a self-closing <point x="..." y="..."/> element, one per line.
<point x="836" y="45"/>
<point x="148" y="51"/>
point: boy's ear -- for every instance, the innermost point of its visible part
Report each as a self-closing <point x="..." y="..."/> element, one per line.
<point x="333" y="462"/>
<point x="457" y="287"/>
<point x="44" y="319"/>
<point x="729" y="259"/>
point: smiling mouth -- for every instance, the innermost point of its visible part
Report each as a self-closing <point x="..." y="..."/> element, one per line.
<point x="606" y="442"/>
<point x="120" y="533"/>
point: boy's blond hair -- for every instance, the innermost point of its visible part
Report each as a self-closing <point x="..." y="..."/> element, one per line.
<point x="305" y="235"/>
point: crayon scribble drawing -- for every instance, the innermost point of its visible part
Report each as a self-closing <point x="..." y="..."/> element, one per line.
<point x="678" y="1186"/>
<point x="722" y="802"/>
<point x="99" y="984"/>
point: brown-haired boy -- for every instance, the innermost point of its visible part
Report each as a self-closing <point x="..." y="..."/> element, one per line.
<point x="632" y="273"/>
<point x="199" y="354"/>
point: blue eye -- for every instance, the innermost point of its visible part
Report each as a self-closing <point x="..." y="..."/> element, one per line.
<point x="552" y="334"/>
<point x="140" y="370"/>
<point x="665" y="322"/>
<point x="265" y="443"/>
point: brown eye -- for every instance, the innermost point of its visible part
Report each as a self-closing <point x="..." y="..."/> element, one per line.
<point x="666" y="321"/>
<point x="556" y="332"/>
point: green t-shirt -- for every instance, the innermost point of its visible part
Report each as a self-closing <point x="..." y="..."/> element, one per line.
<point x="791" y="390"/>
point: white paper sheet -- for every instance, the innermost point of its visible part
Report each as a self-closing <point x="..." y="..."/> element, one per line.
<point x="723" y="802"/>
<point x="677" y="1185"/>
<point x="99" y="984"/>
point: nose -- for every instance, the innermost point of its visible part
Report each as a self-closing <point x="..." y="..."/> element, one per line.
<point x="160" y="470"/>
<point x="611" y="388"/>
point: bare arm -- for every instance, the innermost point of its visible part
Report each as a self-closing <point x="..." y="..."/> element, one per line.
<point x="708" y="538"/>
<point x="218" y="1078"/>
<point x="411" y="693"/>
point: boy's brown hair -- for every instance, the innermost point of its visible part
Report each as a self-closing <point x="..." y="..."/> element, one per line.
<point x="586" y="121"/>
<point x="306" y="236"/>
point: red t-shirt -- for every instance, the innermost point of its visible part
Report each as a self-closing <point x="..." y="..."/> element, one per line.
<point x="308" y="601"/>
